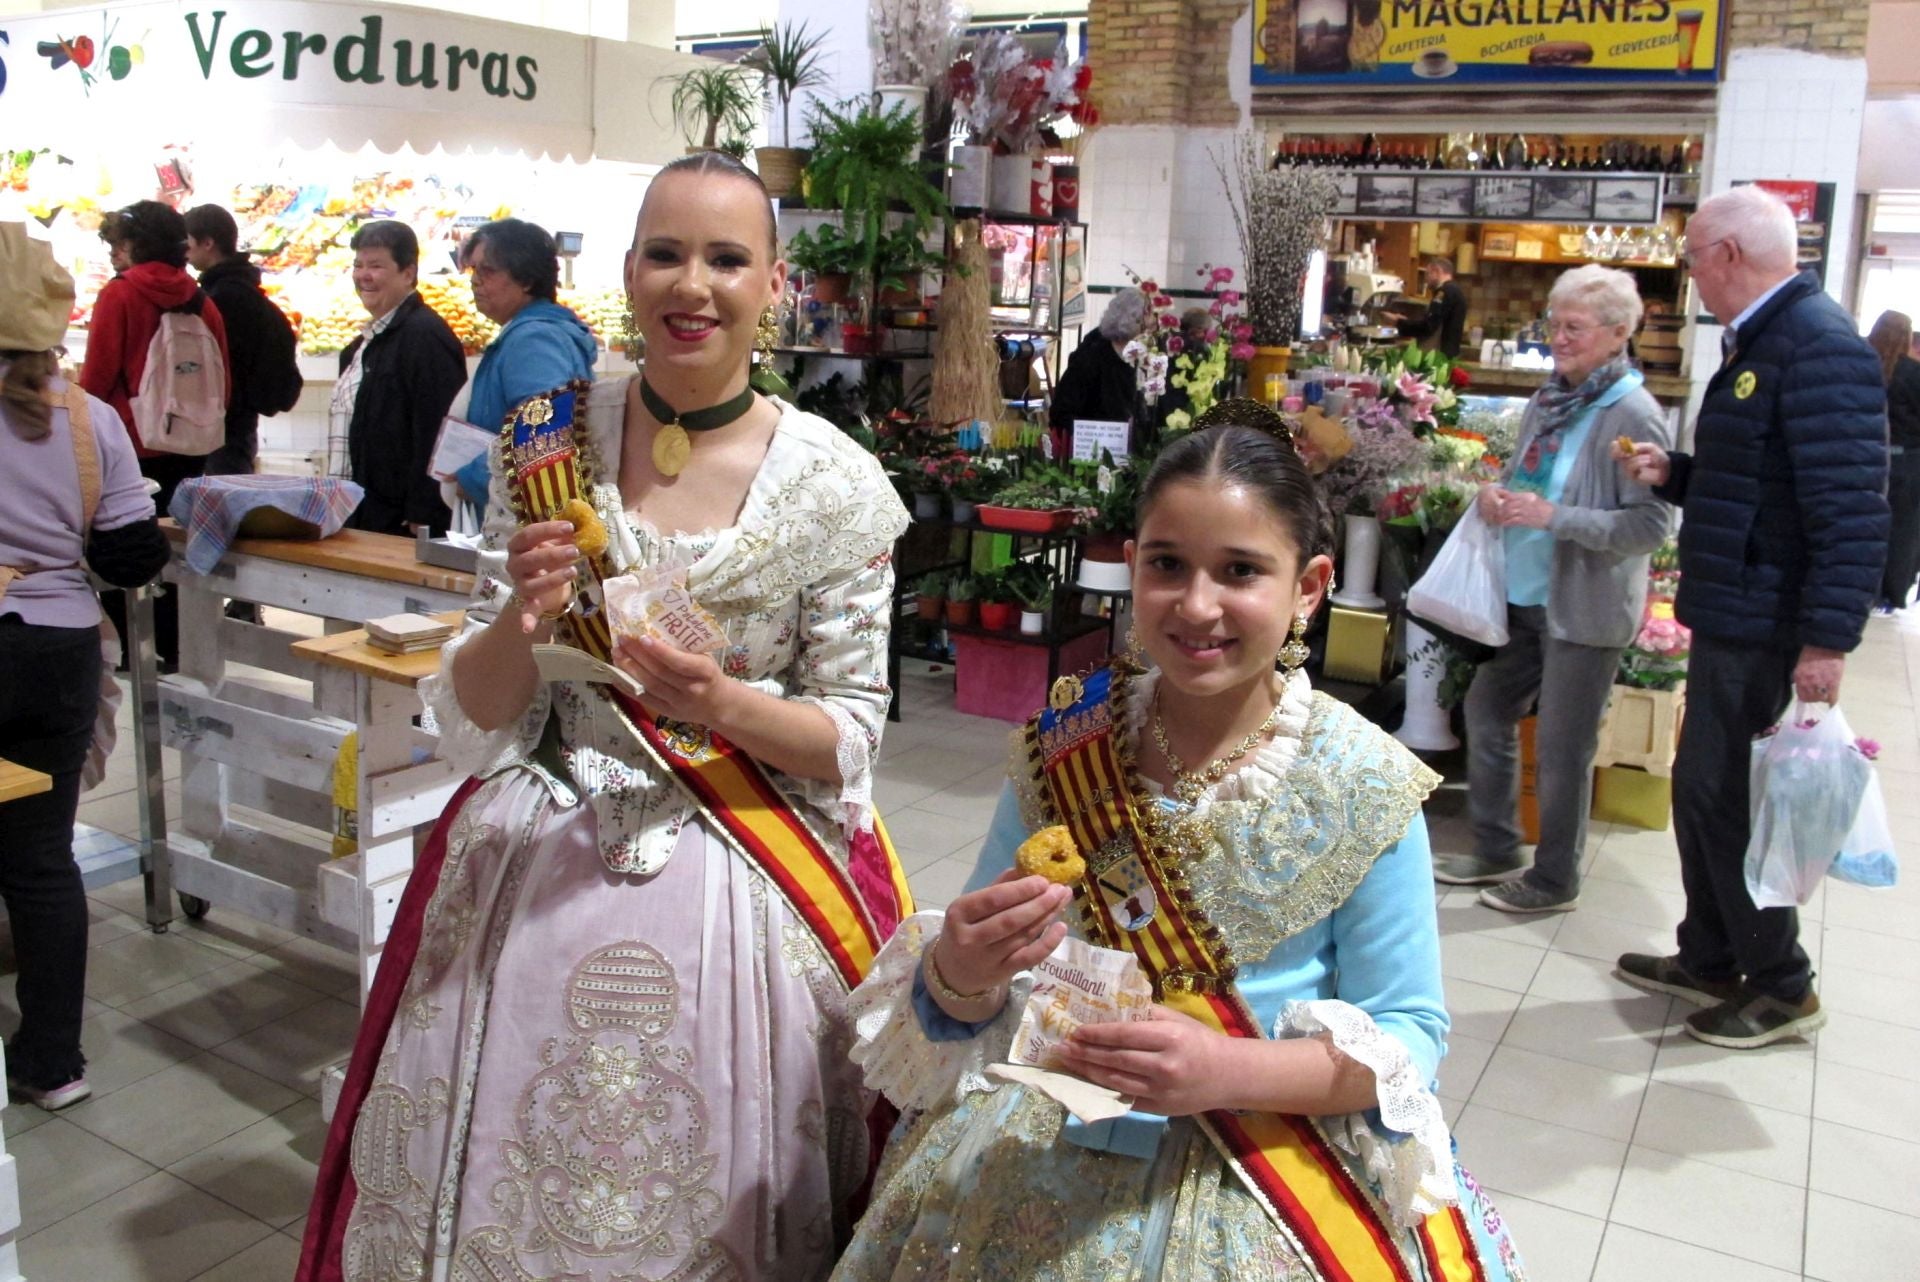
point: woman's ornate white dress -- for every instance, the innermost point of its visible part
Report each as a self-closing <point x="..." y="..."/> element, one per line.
<point x="620" y="1056"/>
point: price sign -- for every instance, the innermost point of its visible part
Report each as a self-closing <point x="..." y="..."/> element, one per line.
<point x="1092" y="435"/>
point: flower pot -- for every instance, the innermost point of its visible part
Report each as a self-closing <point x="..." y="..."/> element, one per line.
<point x="1033" y="622"/>
<point x="1103" y="564"/>
<point x="901" y="297"/>
<point x="961" y="614"/>
<point x="1265" y="361"/>
<point x="1025" y="521"/>
<point x="1066" y="192"/>
<point x="964" y="511"/>
<point x="859" y="340"/>
<point x="831" y="287"/>
<point x="1427" y="727"/>
<point x="969" y="180"/>
<point x="780" y="169"/>
<point x="1013" y="184"/>
<point x="926" y="506"/>
<point x="1360" y="564"/>
<point x="928" y="607"/>
<point x="912" y="97"/>
<point x="999" y="616"/>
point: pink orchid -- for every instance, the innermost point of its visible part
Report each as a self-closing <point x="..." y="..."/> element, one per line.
<point x="1149" y="287"/>
<point x="1169" y="321"/>
<point x="1162" y="301"/>
<point x="1868" y="748"/>
<point x="1241" y="351"/>
<point x="1418" y="395"/>
<point x="1229" y="297"/>
<point x="1223" y="274"/>
<point x="1243" y="332"/>
<point x="1176" y="344"/>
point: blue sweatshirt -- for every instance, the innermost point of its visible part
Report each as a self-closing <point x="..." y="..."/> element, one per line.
<point x="543" y="347"/>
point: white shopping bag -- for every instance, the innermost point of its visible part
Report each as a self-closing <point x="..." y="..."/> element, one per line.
<point x="1464" y="591"/>
<point x="1808" y="782"/>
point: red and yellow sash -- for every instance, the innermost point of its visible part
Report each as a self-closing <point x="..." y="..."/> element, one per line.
<point x="1139" y="901"/>
<point x="547" y="461"/>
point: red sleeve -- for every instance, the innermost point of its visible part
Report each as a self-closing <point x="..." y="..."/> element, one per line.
<point x="106" y="342"/>
<point x="210" y="313"/>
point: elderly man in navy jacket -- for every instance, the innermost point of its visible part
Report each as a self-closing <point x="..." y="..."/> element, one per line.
<point x="1784" y="527"/>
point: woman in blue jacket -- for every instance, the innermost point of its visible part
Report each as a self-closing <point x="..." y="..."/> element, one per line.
<point x="541" y="344"/>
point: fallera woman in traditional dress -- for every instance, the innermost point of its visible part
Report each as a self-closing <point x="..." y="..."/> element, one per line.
<point x="1260" y="849"/>
<point x="608" y="1039"/>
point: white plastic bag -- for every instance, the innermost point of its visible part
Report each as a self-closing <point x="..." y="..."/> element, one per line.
<point x="1809" y="779"/>
<point x="1465" y="589"/>
<point x="1866" y="857"/>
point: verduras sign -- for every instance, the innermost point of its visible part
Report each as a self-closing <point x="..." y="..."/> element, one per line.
<point x="1503" y="44"/>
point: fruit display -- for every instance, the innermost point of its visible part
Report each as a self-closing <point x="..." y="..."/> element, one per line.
<point x="452" y="297"/>
<point x="601" y="309"/>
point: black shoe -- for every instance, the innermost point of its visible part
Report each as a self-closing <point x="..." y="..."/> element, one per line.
<point x="1666" y="975"/>
<point x="1754" y="1019"/>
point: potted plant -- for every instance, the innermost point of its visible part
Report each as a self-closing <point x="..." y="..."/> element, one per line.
<point x="1032" y="583"/>
<point x="961" y="606"/>
<point x="866" y="165"/>
<point x="825" y="254"/>
<point x="929" y="594"/>
<point x="999" y="608"/>
<point x="790" y="60"/>
<point x="1103" y="549"/>
<point x="980" y="480"/>
<point x="1043" y="502"/>
<point x="912" y="42"/>
<point x="711" y="101"/>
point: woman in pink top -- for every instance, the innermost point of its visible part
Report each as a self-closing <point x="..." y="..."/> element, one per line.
<point x="72" y="492"/>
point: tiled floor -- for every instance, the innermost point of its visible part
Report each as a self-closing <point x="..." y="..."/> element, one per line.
<point x="1622" y="1150"/>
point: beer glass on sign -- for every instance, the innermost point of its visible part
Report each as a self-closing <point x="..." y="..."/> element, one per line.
<point x="1688" y="23"/>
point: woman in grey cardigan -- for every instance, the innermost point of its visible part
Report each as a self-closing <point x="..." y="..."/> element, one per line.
<point x="1577" y="540"/>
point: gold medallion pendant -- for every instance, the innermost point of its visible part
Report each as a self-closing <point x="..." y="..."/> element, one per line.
<point x="671" y="449"/>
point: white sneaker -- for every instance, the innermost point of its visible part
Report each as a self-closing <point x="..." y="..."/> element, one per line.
<point x="55" y="1099"/>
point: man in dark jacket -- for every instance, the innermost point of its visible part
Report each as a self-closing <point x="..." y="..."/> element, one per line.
<point x="1783" y="532"/>
<point x="397" y="381"/>
<point x="260" y="346"/>
<point x="1446" y="319"/>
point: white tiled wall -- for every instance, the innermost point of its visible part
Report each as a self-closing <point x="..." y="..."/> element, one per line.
<point x="1153" y="203"/>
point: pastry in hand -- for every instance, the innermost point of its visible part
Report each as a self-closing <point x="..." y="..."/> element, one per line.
<point x="589" y="531"/>
<point x="1624" y="444"/>
<point x="1050" y="853"/>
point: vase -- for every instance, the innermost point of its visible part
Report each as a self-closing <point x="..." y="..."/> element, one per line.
<point x="912" y="97"/>
<point x="1103" y="564"/>
<point x="1360" y="564"/>
<point x="926" y="506"/>
<point x="1033" y="622"/>
<point x="1264" y="362"/>
<point x="1426" y="727"/>
<point x="970" y="178"/>
<point x="1066" y="192"/>
<point x="964" y="511"/>
<point x="1012" y="191"/>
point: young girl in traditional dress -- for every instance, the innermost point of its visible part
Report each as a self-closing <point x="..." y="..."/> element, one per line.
<point x="1260" y="849"/>
<point x="608" y="1040"/>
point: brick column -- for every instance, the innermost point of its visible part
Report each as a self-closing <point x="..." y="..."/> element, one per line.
<point x="1812" y="26"/>
<point x="1163" y="62"/>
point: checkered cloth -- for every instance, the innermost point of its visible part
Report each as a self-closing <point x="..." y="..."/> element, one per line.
<point x="210" y="508"/>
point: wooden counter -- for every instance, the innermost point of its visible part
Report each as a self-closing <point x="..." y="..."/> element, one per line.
<point x="387" y="557"/>
<point x="1487" y="381"/>
<point x="17" y="781"/>
<point x="350" y="650"/>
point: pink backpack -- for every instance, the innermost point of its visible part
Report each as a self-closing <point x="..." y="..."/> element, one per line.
<point x="181" y="407"/>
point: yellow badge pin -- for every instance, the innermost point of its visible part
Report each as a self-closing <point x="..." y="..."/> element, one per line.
<point x="1744" y="385"/>
<point x="1066" y="692"/>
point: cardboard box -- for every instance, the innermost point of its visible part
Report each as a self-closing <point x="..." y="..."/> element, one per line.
<point x="1357" y="645"/>
<point x="1008" y="680"/>
<point x="1623" y="795"/>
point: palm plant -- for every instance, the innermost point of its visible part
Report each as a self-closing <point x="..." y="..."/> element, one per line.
<point x="710" y="100"/>
<point x="790" y="60"/>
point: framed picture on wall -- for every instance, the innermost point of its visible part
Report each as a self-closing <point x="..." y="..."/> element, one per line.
<point x="1561" y="200"/>
<point x="1384" y="195"/>
<point x="1346" y="191"/>
<point x="1626" y="200"/>
<point x="1443" y="195"/>
<point x="1503" y="197"/>
<point x="1496" y="244"/>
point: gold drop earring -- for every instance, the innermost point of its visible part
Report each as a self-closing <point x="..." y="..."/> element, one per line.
<point x="1136" y="654"/>
<point x="1295" y="652"/>
<point x="766" y="335"/>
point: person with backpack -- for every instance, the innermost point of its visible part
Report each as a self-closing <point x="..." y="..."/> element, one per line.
<point x="260" y="342"/>
<point x="397" y="382"/>
<point x="181" y="410"/>
<point x="72" y="491"/>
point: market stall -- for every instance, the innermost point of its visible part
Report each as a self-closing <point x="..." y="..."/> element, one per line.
<point x="305" y="119"/>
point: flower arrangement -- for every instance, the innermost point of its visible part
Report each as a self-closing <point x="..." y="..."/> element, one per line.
<point x="1500" y="429"/>
<point x="1004" y="97"/>
<point x="1151" y="353"/>
<point x="1199" y="372"/>
<point x="1280" y="216"/>
<point x="1657" y="659"/>
<point x="1116" y="494"/>
<point x="1427" y="384"/>
<point x="913" y="39"/>
<point x="1382" y="447"/>
<point x="1431" y="503"/>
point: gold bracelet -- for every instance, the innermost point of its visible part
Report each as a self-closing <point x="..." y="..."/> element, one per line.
<point x="942" y="989"/>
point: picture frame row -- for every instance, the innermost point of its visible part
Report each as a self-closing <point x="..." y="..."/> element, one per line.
<point x="1469" y="197"/>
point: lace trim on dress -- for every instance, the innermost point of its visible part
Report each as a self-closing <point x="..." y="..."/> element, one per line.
<point x="465" y="745"/>
<point x="892" y="1049"/>
<point x="1412" y="1166"/>
<point x="853" y="752"/>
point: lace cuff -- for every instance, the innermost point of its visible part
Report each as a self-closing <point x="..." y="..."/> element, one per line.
<point x="463" y="744"/>
<point x="852" y="804"/>
<point x="1413" y="1165"/>
<point x="892" y="1049"/>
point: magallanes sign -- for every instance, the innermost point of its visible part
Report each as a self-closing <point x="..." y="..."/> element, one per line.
<point x="1492" y="44"/>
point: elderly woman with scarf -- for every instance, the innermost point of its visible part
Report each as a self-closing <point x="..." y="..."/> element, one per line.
<point x="1577" y="537"/>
